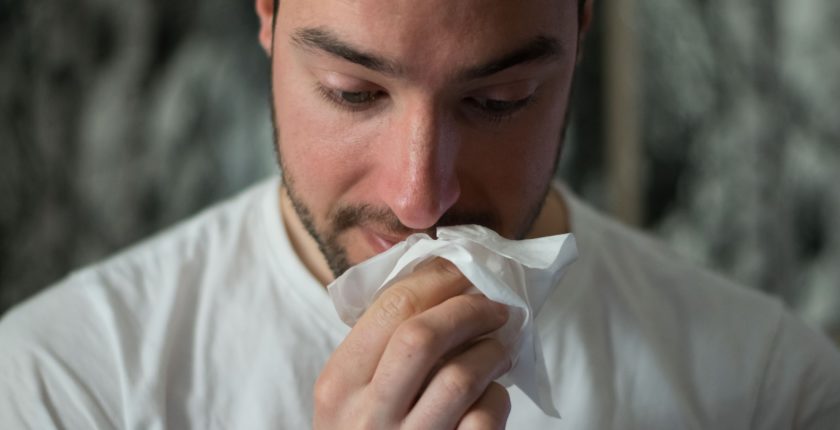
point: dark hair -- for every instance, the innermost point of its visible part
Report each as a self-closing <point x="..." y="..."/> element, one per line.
<point x="580" y="5"/>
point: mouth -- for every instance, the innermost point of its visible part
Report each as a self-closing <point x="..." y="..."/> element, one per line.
<point x="380" y="242"/>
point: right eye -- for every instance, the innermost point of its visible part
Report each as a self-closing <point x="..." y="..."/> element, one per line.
<point x="498" y="110"/>
<point x="350" y="100"/>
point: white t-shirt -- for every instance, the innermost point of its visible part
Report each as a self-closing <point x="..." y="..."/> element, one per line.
<point x="216" y="324"/>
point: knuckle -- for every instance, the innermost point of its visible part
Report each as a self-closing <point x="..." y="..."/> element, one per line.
<point x="460" y="382"/>
<point x="416" y="338"/>
<point x="397" y="303"/>
<point x="326" y="393"/>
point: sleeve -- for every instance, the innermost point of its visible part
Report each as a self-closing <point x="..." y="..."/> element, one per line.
<point x="801" y="385"/>
<point x="55" y="372"/>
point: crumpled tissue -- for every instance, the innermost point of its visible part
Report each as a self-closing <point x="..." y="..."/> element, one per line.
<point x="519" y="274"/>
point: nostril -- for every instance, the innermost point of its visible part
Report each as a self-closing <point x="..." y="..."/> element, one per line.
<point x="418" y="212"/>
<point x="421" y="207"/>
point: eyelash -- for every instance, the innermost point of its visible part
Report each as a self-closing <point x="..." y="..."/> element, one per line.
<point x="490" y="114"/>
<point x="496" y="115"/>
<point x="334" y="97"/>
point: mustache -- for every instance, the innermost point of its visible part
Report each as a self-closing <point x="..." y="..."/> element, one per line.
<point x="347" y="217"/>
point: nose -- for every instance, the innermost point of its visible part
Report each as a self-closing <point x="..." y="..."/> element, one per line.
<point x="421" y="152"/>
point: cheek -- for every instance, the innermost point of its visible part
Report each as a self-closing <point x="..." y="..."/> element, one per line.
<point x="535" y="153"/>
<point x="514" y="167"/>
<point x="320" y="152"/>
<point x="528" y="167"/>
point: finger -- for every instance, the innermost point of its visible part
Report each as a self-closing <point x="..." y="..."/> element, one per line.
<point x="434" y="282"/>
<point x="489" y="412"/>
<point x="458" y="385"/>
<point x="419" y="343"/>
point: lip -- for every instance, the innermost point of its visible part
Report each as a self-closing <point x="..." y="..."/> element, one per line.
<point x="379" y="242"/>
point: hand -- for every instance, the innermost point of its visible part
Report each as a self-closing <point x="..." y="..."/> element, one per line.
<point x="414" y="360"/>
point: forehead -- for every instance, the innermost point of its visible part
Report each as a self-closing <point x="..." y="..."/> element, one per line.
<point x="427" y="35"/>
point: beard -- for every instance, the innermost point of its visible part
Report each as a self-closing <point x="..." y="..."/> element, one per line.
<point x="346" y="217"/>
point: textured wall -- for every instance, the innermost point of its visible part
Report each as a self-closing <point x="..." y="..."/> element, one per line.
<point x="741" y="140"/>
<point x="742" y="97"/>
<point x="119" y="118"/>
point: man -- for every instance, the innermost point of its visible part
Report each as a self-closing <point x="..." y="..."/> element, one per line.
<point x="394" y="117"/>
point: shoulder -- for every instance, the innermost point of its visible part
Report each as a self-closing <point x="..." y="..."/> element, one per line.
<point x="673" y="327"/>
<point x="800" y="385"/>
<point x="648" y="278"/>
<point x="50" y="344"/>
<point x="222" y="230"/>
<point x="159" y="269"/>
<point x="170" y="267"/>
<point x="70" y="353"/>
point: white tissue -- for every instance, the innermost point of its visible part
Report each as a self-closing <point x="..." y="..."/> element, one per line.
<point x="519" y="274"/>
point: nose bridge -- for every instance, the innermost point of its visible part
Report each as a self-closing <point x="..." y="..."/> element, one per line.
<point x="426" y="183"/>
<point x="432" y="148"/>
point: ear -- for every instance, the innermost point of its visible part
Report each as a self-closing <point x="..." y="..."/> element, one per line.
<point x="265" y="13"/>
<point x="584" y="23"/>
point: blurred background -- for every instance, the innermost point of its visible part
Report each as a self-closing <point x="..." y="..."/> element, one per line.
<point x="711" y="124"/>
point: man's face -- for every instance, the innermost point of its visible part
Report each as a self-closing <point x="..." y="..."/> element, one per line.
<point x="397" y="116"/>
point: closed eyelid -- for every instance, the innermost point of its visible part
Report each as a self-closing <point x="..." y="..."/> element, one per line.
<point x="512" y="92"/>
<point x="342" y="82"/>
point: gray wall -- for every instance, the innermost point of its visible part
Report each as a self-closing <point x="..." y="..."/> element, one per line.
<point x="745" y="96"/>
<point x="117" y="119"/>
<point x="120" y="118"/>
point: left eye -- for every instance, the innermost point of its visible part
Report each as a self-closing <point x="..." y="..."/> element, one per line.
<point x="496" y="110"/>
<point x="358" y="97"/>
<point x="350" y="100"/>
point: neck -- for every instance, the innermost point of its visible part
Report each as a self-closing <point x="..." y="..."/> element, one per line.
<point x="553" y="218"/>
<point x="302" y="243"/>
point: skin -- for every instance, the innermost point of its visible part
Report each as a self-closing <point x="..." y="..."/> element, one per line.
<point x="420" y="131"/>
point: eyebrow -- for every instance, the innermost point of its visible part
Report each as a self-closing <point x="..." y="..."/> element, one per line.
<point x="540" y="48"/>
<point x="324" y="40"/>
